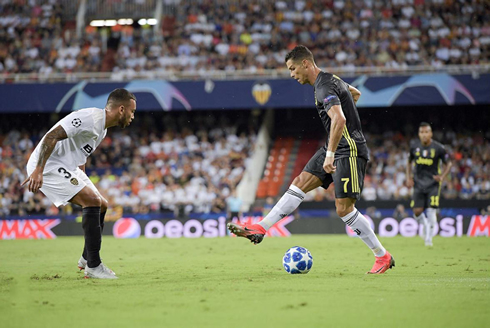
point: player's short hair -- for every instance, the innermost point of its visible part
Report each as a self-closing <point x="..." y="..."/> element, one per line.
<point x="120" y="96"/>
<point x="423" y="124"/>
<point x="299" y="53"/>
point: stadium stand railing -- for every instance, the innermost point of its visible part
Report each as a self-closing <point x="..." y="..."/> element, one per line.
<point x="236" y="75"/>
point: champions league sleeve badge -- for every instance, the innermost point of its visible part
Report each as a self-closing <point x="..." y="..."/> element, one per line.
<point x="76" y="122"/>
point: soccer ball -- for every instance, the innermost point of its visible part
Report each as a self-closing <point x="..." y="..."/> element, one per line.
<point x="297" y="260"/>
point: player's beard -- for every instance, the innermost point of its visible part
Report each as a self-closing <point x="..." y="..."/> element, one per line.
<point x="123" y="123"/>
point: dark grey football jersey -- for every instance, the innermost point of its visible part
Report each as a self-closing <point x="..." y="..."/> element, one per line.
<point x="330" y="90"/>
<point x="427" y="162"/>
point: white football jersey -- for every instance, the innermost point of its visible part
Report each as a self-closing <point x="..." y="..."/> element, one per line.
<point x="85" y="129"/>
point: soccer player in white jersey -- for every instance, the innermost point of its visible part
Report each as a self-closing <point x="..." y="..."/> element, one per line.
<point x="57" y="168"/>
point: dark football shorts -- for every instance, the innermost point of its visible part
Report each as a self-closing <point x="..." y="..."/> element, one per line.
<point x="348" y="178"/>
<point x="426" y="198"/>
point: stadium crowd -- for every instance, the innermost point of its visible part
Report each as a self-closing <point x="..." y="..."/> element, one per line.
<point x="249" y="35"/>
<point x="185" y="163"/>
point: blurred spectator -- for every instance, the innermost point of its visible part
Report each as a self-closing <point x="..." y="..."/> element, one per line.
<point x="400" y="213"/>
<point x="483" y="190"/>
<point x="269" y="204"/>
<point x="485" y="211"/>
<point x="233" y="206"/>
<point x="369" y="192"/>
<point x="373" y="213"/>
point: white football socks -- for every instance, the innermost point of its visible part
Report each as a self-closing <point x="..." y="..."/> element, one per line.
<point x="285" y="206"/>
<point x="432" y="221"/>
<point x="357" y="222"/>
<point x="423" y="219"/>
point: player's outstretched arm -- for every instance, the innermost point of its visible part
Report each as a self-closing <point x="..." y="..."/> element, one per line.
<point x="49" y="142"/>
<point x="356" y="94"/>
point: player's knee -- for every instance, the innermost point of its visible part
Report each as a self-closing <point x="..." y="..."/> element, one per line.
<point x="344" y="206"/>
<point x="306" y="182"/>
<point x="417" y="211"/>
<point x="344" y="209"/>
<point x="299" y="182"/>
<point x="93" y="201"/>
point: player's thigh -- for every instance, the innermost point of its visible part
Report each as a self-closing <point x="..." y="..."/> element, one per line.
<point x="315" y="168"/>
<point x="419" y="199"/>
<point x="83" y="176"/>
<point x="307" y="181"/>
<point x="348" y="178"/>
<point x="60" y="185"/>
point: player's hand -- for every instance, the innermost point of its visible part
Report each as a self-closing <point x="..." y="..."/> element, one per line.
<point x="35" y="180"/>
<point x="328" y="165"/>
<point x="438" y="178"/>
<point x="409" y="183"/>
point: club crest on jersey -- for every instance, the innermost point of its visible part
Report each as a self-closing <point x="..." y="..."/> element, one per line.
<point x="74" y="181"/>
<point x="76" y="122"/>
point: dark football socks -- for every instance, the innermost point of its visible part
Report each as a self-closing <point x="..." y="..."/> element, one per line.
<point x="102" y="217"/>
<point x="92" y="233"/>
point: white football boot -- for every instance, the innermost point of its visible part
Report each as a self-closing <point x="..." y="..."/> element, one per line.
<point x="99" y="272"/>
<point x="82" y="263"/>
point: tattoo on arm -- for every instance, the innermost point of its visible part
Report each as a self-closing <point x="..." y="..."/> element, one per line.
<point x="49" y="143"/>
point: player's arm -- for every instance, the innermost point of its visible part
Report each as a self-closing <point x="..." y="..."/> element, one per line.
<point x="445" y="172"/>
<point x="447" y="165"/>
<point x="47" y="146"/>
<point x="82" y="167"/>
<point x="336" y="127"/>
<point x="356" y="94"/>
<point x="409" y="172"/>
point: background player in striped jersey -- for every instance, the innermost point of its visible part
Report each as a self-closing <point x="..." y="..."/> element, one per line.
<point x="57" y="168"/>
<point x="427" y="154"/>
<point x="342" y="160"/>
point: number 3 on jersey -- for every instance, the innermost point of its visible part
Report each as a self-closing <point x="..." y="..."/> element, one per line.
<point x="346" y="181"/>
<point x="64" y="172"/>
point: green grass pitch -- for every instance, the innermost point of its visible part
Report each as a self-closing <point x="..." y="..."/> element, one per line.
<point x="227" y="282"/>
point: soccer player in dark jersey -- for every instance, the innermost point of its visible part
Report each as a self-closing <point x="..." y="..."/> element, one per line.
<point x="427" y="178"/>
<point x="342" y="160"/>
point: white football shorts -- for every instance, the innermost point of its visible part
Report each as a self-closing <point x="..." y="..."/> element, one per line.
<point x="60" y="184"/>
